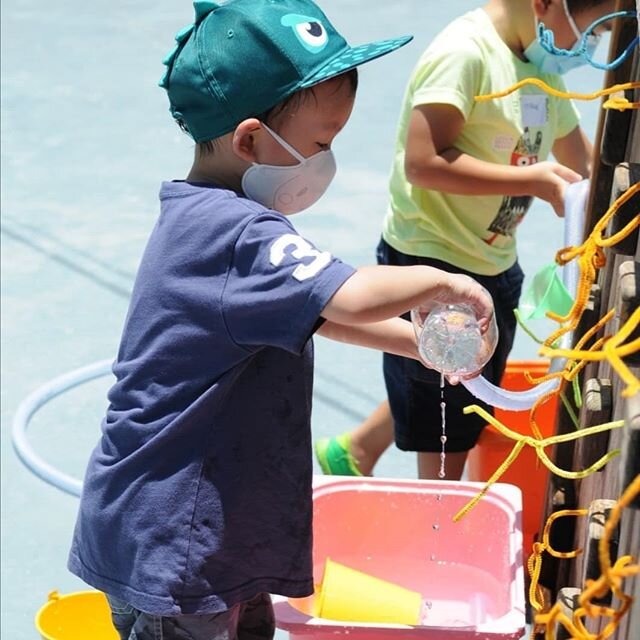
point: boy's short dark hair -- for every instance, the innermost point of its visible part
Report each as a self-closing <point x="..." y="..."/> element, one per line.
<point x="207" y="147"/>
<point x="576" y="6"/>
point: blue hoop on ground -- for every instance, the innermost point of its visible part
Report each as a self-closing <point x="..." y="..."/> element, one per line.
<point x="28" y="408"/>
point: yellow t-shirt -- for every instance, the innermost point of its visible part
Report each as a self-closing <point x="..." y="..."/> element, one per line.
<point x="476" y="233"/>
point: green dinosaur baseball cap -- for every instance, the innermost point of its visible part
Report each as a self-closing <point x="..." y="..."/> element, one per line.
<point x="242" y="57"/>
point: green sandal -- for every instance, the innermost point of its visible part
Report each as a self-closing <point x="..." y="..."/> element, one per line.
<point x="334" y="457"/>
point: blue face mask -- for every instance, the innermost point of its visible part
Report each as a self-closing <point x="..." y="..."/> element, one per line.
<point x="549" y="59"/>
<point x="552" y="63"/>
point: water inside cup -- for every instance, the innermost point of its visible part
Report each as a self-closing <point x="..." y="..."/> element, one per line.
<point x="450" y="340"/>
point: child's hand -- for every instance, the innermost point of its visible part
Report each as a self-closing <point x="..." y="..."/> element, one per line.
<point x="463" y="289"/>
<point x="549" y="181"/>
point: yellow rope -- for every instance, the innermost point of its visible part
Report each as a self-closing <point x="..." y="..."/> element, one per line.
<point x="538" y="445"/>
<point x="612" y="350"/>
<point x="534" y="563"/>
<point x="620" y="103"/>
<point x="537" y="433"/>
<point x="610" y="580"/>
<point x="571" y="368"/>
<point x="590" y="258"/>
<point x="613" y="103"/>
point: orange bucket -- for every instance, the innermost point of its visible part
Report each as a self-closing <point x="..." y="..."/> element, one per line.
<point x="526" y="471"/>
<point x="82" y="615"/>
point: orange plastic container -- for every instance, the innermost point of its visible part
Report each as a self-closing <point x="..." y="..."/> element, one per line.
<point x="526" y="471"/>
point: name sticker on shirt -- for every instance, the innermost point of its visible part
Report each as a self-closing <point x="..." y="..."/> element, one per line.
<point x="534" y="110"/>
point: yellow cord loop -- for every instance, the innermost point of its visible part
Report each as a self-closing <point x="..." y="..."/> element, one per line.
<point x="610" y="580"/>
<point x="534" y="563"/>
<point x="612" y="103"/>
<point x="620" y="104"/>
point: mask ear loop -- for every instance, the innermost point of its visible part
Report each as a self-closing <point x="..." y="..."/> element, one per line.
<point x="572" y="22"/>
<point x="299" y="157"/>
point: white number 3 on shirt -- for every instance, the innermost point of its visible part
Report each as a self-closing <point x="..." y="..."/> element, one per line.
<point x="301" y="249"/>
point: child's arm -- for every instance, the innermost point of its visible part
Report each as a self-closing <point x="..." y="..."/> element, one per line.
<point x="433" y="162"/>
<point x="393" y="336"/>
<point x="373" y="294"/>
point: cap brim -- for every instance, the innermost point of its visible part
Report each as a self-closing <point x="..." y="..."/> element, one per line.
<point x="353" y="57"/>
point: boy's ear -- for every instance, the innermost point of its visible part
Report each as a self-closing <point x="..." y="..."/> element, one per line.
<point x="244" y="139"/>
<point x="540" y="8"/>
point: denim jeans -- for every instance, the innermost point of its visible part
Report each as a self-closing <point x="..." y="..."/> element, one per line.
<point x="251" y="620"/>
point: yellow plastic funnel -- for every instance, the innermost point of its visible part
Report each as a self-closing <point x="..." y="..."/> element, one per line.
<point x="545" y="293"/>
<point x="353" y="596"/>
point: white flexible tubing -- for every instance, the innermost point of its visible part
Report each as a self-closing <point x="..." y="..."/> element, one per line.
<point x="574" y="215"/>
<point x="575" y="201"/>
<point x="482" y="389"/>
<point x="28" y="408"/>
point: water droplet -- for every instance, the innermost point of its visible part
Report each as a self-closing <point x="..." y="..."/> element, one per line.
<point x="433" y="557"/>
<point x="441" y="474"/>
<point x="443" y="439"/>
<point x="436" y="527"/>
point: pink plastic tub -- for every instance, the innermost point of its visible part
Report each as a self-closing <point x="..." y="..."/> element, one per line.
<point x="471" y="571"/>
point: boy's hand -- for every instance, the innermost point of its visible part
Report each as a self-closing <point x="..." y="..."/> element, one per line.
<point x="464" y="289"/>
<point x="549" y="181"/>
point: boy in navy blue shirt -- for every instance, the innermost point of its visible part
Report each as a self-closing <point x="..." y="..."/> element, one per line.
<point x="197" y="499"/>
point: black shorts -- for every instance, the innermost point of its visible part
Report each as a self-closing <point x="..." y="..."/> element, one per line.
<point x="414" y="391"/>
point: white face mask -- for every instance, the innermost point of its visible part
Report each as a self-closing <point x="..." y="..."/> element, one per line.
<point x="290" y="189"/>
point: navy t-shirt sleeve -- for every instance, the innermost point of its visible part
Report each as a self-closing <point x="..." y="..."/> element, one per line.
<point x="277" y="285"/>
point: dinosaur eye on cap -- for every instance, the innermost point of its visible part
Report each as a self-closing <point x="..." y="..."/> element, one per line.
<point x="309" y="31"/>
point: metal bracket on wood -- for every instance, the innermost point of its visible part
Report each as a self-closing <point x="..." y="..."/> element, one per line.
<point x="625" y="214"/>
<point x="568" y="601"/>
<point x="596" y="409"/>
<point x="599" y="511"/>
<point x="628" y="300"/>
<point x="630" y="456"/>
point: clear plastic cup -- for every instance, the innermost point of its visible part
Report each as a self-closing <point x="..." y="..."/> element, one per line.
<point x="450" y="341"/>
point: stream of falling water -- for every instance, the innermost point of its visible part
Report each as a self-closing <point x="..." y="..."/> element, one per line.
<point x="443" y="437"/>
<point x="442" y="472"/>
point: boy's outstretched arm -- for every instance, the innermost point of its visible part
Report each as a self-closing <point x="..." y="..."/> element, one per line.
<point x="433" y="162"/>
<point x="377" y="293"/>
<point x="392" y="336"/>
